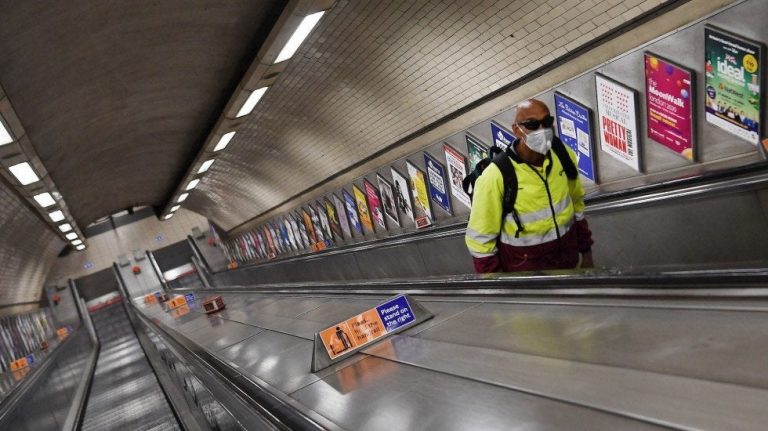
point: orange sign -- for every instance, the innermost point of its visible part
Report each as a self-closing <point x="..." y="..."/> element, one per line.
<point x="150" y="299"/>
<point x="177" y="302"/>
<point x="19" y="364"/>
<point x="181" y="310"/>
<point x="356" y="331"/>
<point x="19" y="374"/>
<point x="62" y="333"/>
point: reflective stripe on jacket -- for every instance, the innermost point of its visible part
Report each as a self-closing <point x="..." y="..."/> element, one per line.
<point x="542" y="192"/>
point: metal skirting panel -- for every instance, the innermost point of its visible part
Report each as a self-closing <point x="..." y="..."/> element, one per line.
<point x="125" y="394"/>
<point x="500" y="363"/>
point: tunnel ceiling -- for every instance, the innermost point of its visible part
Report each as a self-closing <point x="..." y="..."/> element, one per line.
<point x="118" y="97"/>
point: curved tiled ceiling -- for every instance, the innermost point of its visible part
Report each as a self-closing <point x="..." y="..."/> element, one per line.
<point x="118" y="97"/>
<point x="374" y="72"/>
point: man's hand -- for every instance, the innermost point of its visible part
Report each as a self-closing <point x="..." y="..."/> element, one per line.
<point x="586" y="260"/>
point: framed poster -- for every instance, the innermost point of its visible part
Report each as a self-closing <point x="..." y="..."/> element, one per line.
<point x="576" y="130"/>
<point x="278" y="235"/>
<point x="374" y="203"/>
<point x="421" y="208"/>
<point x="436" y="179"/>
<point x="475" y="150"/>
<point x="271" y="250"/>
<point x="351" y="207"/>
<point x="303" y="233"/>
<point x="388" y="199"/>
<point x="669" y="104"/>
<point x="457" y="170"/>
<point x="733" y="79"/>
<point x="333" y="219"/>
<point x="617" y="118"/>
<point x="343" y="217"/>
<point x="290" y="233"/>
<point x="309" y="226"/>
<point x="316" y="223"/>
<point x="261" y="243"/>
<point x="324" y="223"/>
<point x="502" y="137"/>
<point x="402" y="192"/>
<point x="362" y="209"/>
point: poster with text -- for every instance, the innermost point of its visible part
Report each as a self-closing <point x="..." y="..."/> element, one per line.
<point x="502" y="137"/>
<point x="422" y="211"/>
<point x="362" y="209"/>
<point x="343" y="217"/>
<point x="319" y="233"/>
<point x="457" y="170"/>
<point x="271" y="249"/>
<point x="280" y="228"/>
<point x="669" y="101"/>
<point x="324" y="223"/>
<point x="438" y="190"/>
<point x="476" y="151"/>
<point x="307" y="218"/>
<point x="732" y="80"/>
<point x="262" y="244"/>
<point x="388" y="199"/>
<point x="302" y="230"/>
<point x="351" y="207"/>
<point x="402" y="191"/>
<point x="333" y="219"/>
<point x="575" y="129"/>
<point x="291" y="236"/>
<point x="374" y="203"/>
<point x="617" y="117"/>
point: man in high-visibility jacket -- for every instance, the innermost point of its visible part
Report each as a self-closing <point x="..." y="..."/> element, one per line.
<point x="552" y="232"/>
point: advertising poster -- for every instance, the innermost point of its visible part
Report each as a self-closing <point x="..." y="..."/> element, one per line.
<point x="271" y="250"/>
<point x="324" y="223"/>
<point x="302" y="230"/>
<point x="362" y="209"/>
<point x="732" y="81"/>
<point x="289" y="231"/>
<point x="309" y="227"/>
<point x="278" y="238"/>
<point x="319" y="234"/>
<point x="575" y="129"/>
<point x="374" y="203"/>
<point x="388" y="199"/>
<point x="402" y="192"/>
<point x="284" y="235"/>
<point x="343" y="217"/>
<point x="333" y="219"/>
<point x="262" y="244"/>
<point x="437" y="188"/>
<point x="669" y="101"/>
<point x="617" y="117"/>
<point x="421" y="209"/>
<point x="457" y="170"/>
<point x="502" y="137"/>
<point x="351" y="207"/>
<point x="476" y="151"/>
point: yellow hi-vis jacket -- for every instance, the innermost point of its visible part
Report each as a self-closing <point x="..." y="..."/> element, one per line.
<point x="547" y="203"/>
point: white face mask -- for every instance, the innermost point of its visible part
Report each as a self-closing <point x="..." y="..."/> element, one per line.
<point x="539" y="141"/>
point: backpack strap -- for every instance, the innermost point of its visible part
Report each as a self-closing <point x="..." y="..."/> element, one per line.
<point x="565" y="159"/>
<point x="504" y="163"/>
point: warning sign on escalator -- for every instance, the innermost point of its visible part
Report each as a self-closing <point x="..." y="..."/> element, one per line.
<point x="366" y="327"/>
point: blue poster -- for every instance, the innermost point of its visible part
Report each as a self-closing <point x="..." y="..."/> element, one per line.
<point x="501" y="137"/>
<point x="574" y="126"/>
<point x="436" y="179"/>
<point x="349" y="203"/>
<point x="396" y="313"/>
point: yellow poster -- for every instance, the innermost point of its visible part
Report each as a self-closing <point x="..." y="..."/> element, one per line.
<point x="362" y="208"/>
<point x="422" y="210"/>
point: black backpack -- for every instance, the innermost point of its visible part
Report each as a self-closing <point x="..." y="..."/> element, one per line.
<point x="510" y="178"/>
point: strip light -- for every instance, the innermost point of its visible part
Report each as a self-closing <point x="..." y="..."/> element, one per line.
<point x="224" y="141"/>
<point x="5" y="137"/>
<point x="56" y="216"/>
<point x="66" y="227"/>
<point x="70" y="236"/>
<point x="80" y="247"/>
<point x="44" y="199"/>
<point x="298" y="36"/>
<point x="175" y="207"/>
<point x="192" y="184"/>
<point x="24" y="173"/>
<point x="182" y="198"/>
<point x="205" y="166"/>
<point x="251" y="102"/>
<point x="77" y="242"/>
<point x="168" y="216"/>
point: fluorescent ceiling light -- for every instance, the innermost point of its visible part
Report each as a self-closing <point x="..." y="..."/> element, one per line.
<point x="24" y="173"/>
<point x="77" y="242"/>
<point x="5" y="137"/>
<point x="81" y="247"/>
<point x="71" y="236"/>
<point x="56" y="216"/>
<point x="44" y="199"/>
<point x="298" y="36"/>
<point x="224" y="141"/>
<point x="206" y="164"/>
<point x="174" y="208"/>
<point x="66" y="227"/>
<point x="251" y="102"/>
<point x="192" y="184"/>
<point x="182" y="198"/>
<point x="168" y="216"/>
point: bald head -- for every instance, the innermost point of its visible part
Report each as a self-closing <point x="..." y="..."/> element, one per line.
<point x="531" y="115"/>
<point x="531" y="109"/>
